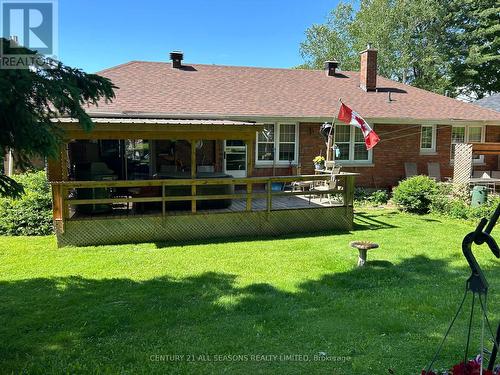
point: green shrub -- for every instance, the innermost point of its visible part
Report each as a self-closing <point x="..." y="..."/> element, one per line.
<point x="416" y="194"/>
<point x="31" y="214"/>
<point x="444" y="197"/>
<point x="379" y="197"/>
<point x="363" y="196"/>
<point x="454" y="201"/>
<point x="360" y="194"/>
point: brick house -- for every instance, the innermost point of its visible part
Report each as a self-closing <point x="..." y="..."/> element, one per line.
<point x="414" y="125"/>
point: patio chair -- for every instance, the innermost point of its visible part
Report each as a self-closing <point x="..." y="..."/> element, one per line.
<point x="329" y="165"/>
<point x="434" y="171"/>
<point x="410" y="170"/>
<point x="301" y="185"/>
<point x="325" y="186"/>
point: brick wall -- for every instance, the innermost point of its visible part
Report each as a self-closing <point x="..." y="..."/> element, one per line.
<point x="399" y="144"/>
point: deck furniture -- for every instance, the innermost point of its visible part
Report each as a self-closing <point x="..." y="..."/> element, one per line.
<point x="95" y="171"/>
<point x="363" y="247"/>
<point x="301" y="185"/>
<point x="489" y="179"/>
<point x="489" y="183"/>
<point x="180" y="190"/>
<point x="325" y="187"/>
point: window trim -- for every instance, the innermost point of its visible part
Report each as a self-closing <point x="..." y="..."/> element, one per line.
<point x="265" y="162"/>
<point x="432" y="149"/>
<point x="276" y="160"/>
<point x="352" y="142"/>
<point x="466" y="140"/>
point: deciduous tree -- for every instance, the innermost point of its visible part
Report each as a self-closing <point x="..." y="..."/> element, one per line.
<point x="450" y="46"/>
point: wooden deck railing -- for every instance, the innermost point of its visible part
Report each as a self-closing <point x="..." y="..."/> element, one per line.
<point x="62" y="200"/>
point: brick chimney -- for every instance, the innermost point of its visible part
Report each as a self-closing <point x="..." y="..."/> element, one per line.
<point x="368" y="69"/>
<point x="331" y="67"/>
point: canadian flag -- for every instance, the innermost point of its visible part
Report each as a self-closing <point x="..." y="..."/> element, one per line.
<point x="350" y="117"/>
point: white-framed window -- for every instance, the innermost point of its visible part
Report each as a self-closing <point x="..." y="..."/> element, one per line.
<point x="265" y="144"/>
<point x="351" y="143"/>
<point x="278" y="144"/>
<point x="428" y="139"/>
<point x="466" y="134"/>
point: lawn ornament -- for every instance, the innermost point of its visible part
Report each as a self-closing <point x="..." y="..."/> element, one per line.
<point x="476" y="285"/>
<point x="363" y="247"/>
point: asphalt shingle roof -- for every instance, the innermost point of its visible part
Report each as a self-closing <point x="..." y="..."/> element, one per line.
<point x="492" y="102"/>
<point x="213" y="90"/>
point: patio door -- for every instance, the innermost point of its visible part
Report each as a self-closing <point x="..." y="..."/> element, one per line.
<point x="235" y="158"/>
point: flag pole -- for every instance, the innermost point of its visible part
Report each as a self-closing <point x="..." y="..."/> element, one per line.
<point x="331" y="142"/>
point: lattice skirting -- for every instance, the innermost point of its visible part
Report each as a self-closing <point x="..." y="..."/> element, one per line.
<point x="463" y="163"/>
<point x="183" y="228"/>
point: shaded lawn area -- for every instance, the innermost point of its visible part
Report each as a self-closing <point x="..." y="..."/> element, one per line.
<point x="119" y="309"/>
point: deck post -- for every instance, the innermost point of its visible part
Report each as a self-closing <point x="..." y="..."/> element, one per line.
<point x="193" y="158"/>
<point x="193" y="175"/>
<point x="58" y="214"/>
<point x="250" y="156"/>
<point x="57" y="209"/>
<point x="163" y="203"/>
<point x="57" y="167"/>
<point x="349" y="190"/>
<point x="249" y="196"/>
<point x="269" y="196"/>
<point x="193" y="198"/>
<point x="64" y="203"/>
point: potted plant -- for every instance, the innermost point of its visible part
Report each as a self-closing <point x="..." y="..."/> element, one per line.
<point x="319" y="162"/>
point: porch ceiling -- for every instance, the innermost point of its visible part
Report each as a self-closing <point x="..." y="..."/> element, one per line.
<point x="486" y="148"/>
<point x="136" y="128"/>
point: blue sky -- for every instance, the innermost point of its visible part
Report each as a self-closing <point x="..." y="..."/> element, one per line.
<point x="94" y="34"/>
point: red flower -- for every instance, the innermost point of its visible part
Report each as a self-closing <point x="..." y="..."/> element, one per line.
<point x="471" y="368"/>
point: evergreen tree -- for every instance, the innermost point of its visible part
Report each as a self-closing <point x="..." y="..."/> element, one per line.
<point x="30" y="100"/>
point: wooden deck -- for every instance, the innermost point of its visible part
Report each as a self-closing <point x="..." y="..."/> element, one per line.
<point x="306" y="201"/>
<point x="256" y="209"/>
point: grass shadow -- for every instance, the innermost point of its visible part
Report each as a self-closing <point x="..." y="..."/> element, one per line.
<point x="365" y="221"/>
<point x="379" y="264"/>
<point x="75" y="324"/>
<point x="225" y="240"/>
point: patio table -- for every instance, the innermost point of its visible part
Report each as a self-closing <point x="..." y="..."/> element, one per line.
<point x="490" y="183"/>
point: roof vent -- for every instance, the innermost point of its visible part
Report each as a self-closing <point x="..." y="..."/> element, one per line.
<point x="176" y="57"/>
<point x="331" y="67"/>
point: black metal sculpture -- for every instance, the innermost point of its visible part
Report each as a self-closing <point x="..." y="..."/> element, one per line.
<point x="477" y="285"/>
<point x="325" y="131"/>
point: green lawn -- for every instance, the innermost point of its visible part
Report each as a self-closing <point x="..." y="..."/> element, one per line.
<point x="124" y="309"/>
